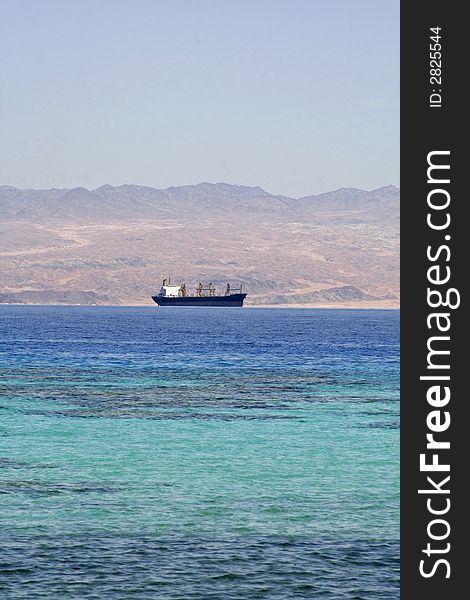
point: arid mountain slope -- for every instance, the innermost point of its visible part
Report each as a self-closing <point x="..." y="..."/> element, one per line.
<point x="113" y="245"/>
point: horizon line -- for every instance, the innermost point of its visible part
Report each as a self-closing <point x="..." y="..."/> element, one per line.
<point x="202" y="183"/>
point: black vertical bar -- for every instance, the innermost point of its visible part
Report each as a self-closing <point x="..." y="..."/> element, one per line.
<point x="433" y="123"/>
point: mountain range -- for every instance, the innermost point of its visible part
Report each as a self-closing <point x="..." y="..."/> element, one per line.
<point x="113" y="245"/>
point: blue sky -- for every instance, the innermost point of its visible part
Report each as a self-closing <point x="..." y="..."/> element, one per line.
<point x="296" y="96"/>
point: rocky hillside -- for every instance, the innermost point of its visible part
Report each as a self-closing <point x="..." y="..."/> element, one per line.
<point x="113" y="245"/>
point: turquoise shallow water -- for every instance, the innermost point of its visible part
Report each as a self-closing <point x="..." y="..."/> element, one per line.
<point x="198" y="453"/>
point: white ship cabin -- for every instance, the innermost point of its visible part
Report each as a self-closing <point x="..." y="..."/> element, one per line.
<point x="170" y="291"/>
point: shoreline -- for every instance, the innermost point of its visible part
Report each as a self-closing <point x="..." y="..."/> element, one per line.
<point x="346" y="306"/>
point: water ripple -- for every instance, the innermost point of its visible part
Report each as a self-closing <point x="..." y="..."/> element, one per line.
<point x="200" y="569"/>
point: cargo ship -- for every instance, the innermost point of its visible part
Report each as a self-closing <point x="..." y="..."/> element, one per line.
<point x="177" y="295"/>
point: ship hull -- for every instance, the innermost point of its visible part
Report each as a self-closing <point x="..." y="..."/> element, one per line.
<point x="223" y="301"/>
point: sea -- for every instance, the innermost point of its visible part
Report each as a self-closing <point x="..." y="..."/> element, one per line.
<point x="199" y="453"/>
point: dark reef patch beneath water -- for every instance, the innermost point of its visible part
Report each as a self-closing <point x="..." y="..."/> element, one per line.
<point x="51" y="488"/>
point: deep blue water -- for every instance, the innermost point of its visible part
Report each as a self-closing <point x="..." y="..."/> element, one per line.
<point x="198" y="453"/>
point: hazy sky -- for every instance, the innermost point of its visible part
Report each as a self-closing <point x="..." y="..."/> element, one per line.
<point x="296" y="96"/>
